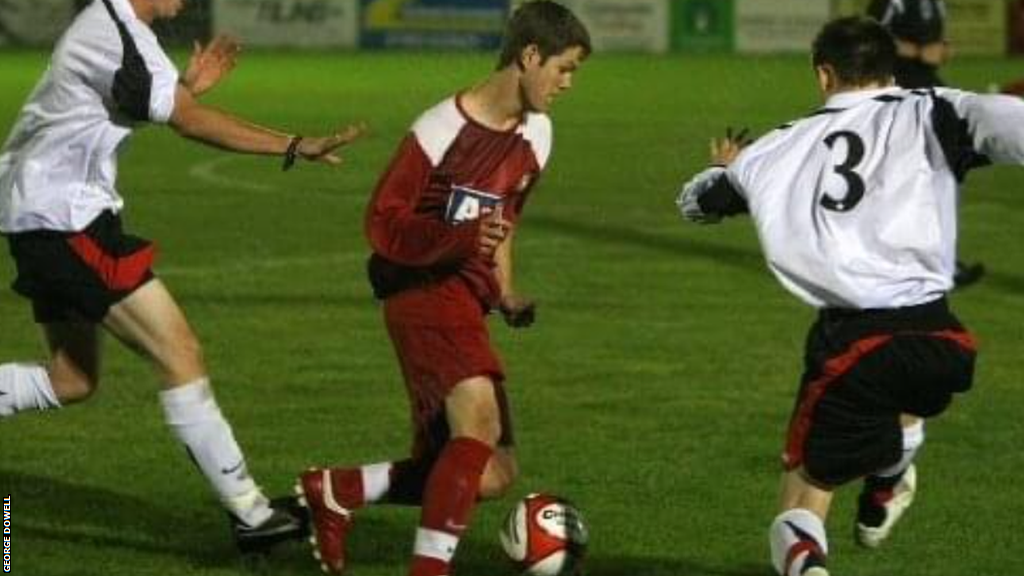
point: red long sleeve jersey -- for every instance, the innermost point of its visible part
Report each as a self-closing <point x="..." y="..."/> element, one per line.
<point x="449" y="170"/>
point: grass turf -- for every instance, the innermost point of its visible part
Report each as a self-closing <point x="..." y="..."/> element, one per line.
<point x="653" y="391"/>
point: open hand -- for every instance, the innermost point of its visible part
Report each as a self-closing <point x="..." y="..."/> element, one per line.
<point x="725" y="150"/>
<point x="324" y="148"/>
<point x="210" y="64"/>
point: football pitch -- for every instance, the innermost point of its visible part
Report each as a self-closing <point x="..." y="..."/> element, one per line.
<point x="653" y="391"/>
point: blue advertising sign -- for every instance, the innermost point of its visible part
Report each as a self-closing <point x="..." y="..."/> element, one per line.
<point x="433" y="23"/>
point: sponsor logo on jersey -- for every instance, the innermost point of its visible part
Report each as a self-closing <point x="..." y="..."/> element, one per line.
<point x="466" y="204"/>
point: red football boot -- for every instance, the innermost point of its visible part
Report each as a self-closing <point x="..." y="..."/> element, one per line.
<point x="330" y="520"/>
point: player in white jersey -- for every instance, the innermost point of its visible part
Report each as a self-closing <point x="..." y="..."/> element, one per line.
<point x="855" y="207"/>
<point x="919" y="26"/>
<point x="59" y="210"/>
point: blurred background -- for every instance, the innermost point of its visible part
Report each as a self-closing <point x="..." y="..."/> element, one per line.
<point x="982" y="27"/>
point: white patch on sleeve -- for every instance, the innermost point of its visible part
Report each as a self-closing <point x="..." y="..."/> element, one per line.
<point x="537" y="131"/>
<point x="688" y="200"/>
<point x="161" y="69"/>
<point x="437" y="128"/>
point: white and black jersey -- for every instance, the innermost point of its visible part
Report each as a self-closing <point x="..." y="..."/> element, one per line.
<point x="58" y="167"/>
<point x="855" y="205"/>
<point x="917" y="21"/>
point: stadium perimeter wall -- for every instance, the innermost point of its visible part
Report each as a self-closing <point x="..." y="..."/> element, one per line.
<point x="988" y="27"/>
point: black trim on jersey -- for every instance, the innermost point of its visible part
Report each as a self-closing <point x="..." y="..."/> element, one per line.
<point x="133" y="83"/>
<point x="888" y="98"/>
<point x="823" y="111"/>
<point x="722" y="199"/>
<point x="818" y="112"/>
<point x="954" y="135"/>
<point x="909" y="21"/>
<point x="881" y="10"/>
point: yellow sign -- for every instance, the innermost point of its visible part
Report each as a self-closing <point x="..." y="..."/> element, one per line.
<point x="419" y="16"/>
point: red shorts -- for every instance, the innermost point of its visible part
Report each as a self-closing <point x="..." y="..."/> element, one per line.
<point x="440" y="337"/>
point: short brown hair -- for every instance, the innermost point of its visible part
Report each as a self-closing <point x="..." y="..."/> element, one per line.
<point x="859" y="49"/>
<point x="553" y="28"/>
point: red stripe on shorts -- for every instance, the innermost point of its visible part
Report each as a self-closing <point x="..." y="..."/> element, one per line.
<point x="834" y="368"/>
<point x="964" y="339"/>
<point x="120" y="274"/>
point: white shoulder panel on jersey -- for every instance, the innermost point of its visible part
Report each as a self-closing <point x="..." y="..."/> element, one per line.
<point x="538" y="132"/>
<point x="437" y="128"/>
<point x="164" y="88"/>
<point x="995" y="123"/>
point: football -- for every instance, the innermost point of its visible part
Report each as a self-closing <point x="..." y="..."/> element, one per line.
<point x="545" y="535"/>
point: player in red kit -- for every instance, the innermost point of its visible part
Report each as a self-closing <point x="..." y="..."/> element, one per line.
<point x="441" y="224"/>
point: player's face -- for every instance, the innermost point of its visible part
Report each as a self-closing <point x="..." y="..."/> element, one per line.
<point x="544" y="80"/>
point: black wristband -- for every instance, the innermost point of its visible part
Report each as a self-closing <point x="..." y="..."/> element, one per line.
<point x="292" y="153"/>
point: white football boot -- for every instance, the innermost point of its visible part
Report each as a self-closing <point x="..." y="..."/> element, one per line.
<point x="878" y="512"/>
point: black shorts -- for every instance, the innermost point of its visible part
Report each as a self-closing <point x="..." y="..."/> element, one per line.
<point x="76" y="276"/>
<point x="865" y="368"/>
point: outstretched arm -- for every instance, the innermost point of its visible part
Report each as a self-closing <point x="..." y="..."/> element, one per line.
<point x="710" y="195"/>
<point x="215" y="127"/>
<point x="992" y="124"/>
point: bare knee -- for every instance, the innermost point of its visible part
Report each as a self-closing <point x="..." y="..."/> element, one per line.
<point x="499" y="476"/>
<point x="151" y="323"/>
<point x="800" y="491"/>
<point x="485" y="429"/>
<point x="74" y="366"/>
<point x="472" y="411"/>
<point x="71" y="383"/>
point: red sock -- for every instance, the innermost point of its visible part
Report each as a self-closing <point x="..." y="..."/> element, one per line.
<point x="348" y="487"/>
<point x="448" y="503"/>
<point x="426" y="566"/>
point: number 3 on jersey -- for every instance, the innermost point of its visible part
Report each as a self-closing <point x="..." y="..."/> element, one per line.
<point x="847" y="170"/>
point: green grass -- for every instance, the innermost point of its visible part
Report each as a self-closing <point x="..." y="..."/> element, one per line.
<point x="654" y="390"/>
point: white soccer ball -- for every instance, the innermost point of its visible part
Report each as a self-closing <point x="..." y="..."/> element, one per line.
<point x="544" y="535"/>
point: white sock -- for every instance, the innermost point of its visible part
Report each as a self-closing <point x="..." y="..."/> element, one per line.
<point x="376" y="481"/>
<point x="435" y="544"/>
<point x="25" y="387"/>
<point x="192" y="413"/>
<point x="792" y="528"/>
<point x="913" y="438"/>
